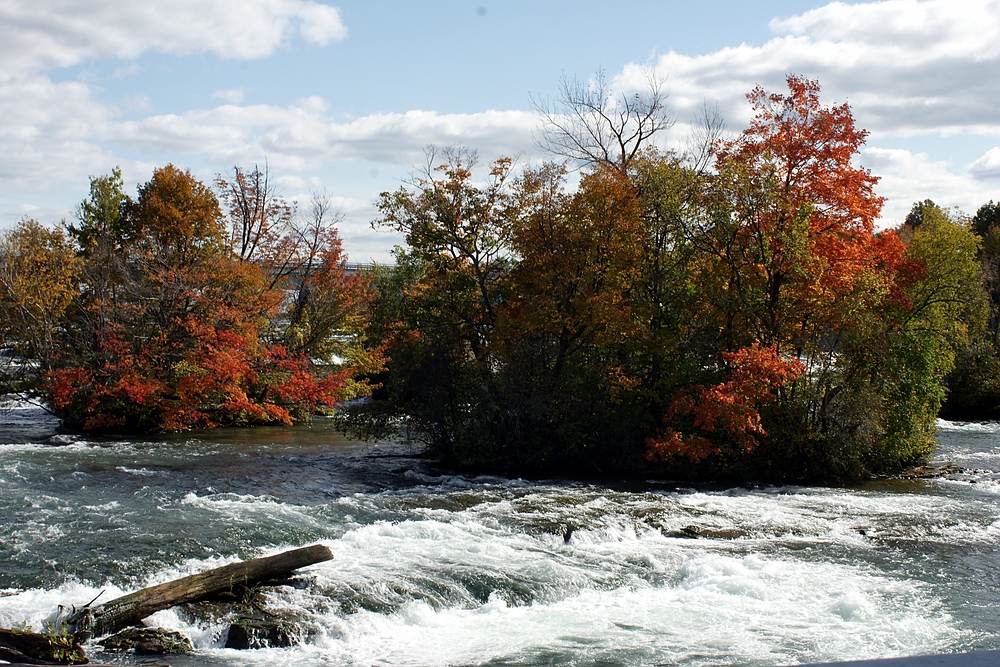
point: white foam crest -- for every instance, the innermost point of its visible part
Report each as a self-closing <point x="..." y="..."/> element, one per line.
<point x="461" y="482"/>
<point x="202" y="636"/>
<point x="112" y="505"/>
<point x="969" y="427"/>
<point x="991" y="455"/>
<point x="984" y="482"/>
<point x="721" y="608"/>
<point x="789" y="514"/>
<point x="449" y="563"/>
<point x="817" y="515"/>
<point x="142" y="472"/>
<point x="28" y="447"/>
<point x="34" y="606"/>
<point x="248" y="508"/>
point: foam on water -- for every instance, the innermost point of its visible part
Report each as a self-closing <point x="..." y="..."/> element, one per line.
<point x="970" y="427"/>
<point x="718" y="610"/>
<point x="21" y="418"/>
<point x="439" y="569"/>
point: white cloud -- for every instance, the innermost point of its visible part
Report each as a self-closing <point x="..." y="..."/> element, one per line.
<point x="924" y="31"/>
<point x="302" y="135"/>
<point x="52" y="133"/>
<point x="909" y="177"/>
<point x="906" y="66"/>
<point x="320" y="24"/>
<point x="47" y="132"/>
<point x="36" y="36"/>
<point x="231" y="95"/>
<point x="987" y="166"/>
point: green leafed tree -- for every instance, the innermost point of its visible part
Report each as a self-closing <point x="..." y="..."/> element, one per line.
<point x="38" y="280"/>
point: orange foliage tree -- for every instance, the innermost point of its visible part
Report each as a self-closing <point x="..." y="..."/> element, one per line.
<point x="189" y="333"/>
<point x="745" y="321"/>
<point x="793" y="263"/>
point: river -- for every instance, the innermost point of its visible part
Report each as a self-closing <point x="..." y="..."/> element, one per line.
<point x="433" y="568"/>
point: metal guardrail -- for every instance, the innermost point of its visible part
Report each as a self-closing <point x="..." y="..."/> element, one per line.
<point x="359" y="267"/>
<point x="974" y="659"/>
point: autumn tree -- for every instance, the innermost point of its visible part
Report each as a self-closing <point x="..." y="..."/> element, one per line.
<point x="260" y="223"/>
<point x="326" y="308"/>
<point x="941" y="309"/>
<point x="974" y="383"/>
<point x="676" y="203"/>
<point x="181" y="333"/>
<point x="176" y="220"/>
<point x="38" y="277"/>
<point x="791" y="263"/>
<point x="441" y="334"/>
<point x="740" y="321"/>
<point x="986" y="225"/>
<point x="257" y="213"/>
<point x="566" y="327"/>
<point x="507" y="319"/>
<point x="102" y="238"/>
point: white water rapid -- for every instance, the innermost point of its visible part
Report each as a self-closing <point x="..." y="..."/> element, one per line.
<point x="437" y="569"/>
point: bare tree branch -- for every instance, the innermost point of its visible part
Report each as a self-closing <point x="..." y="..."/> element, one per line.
<point x="256" y="211"/>
<point x="590" y="125"/>
<point x="706" y="131"/>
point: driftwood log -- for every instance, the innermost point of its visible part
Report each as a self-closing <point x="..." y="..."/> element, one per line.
<point x="130" y="609"/>
<point x="33" y="648"/>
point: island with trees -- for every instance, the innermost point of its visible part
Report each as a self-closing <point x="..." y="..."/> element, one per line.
<point x="730" y="311"/>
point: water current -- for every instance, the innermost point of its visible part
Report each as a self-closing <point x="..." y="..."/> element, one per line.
<point x="433" y="568"/>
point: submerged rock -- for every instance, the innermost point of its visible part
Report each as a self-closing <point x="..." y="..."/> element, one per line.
<point x="696" y="532"/>
<point x="687" y="532"/>
<point x="148" y="641"/>
<point x="931" y="470"/>
<point x="256" y="632"/>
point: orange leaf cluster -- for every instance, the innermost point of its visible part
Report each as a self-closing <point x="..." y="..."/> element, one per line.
<point x="755" y="375"/>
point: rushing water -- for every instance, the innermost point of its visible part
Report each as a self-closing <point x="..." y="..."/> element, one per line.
<point x="440" y="569"/>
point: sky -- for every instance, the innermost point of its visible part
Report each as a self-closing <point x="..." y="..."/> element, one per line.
<point x="344" y="97"/>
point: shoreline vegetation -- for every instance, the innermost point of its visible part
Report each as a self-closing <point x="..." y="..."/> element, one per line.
<point x="728" y="312"/>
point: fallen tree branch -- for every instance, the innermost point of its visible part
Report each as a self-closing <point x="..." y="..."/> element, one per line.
<point x="130" y="609"/>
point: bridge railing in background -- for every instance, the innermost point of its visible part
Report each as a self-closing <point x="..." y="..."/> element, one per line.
<point x="360" y="267"/>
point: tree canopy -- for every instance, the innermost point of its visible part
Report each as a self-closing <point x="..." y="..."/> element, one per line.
<point x="731" y="312"/>
<point x="152" y="314"/>
<point x="740" y="321"/>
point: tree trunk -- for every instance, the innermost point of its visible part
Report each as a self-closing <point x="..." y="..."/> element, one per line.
<point x="130" y="609"/>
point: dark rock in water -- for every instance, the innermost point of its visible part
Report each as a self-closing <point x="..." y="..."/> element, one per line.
<point x="696" y="532"/>
<point x="687" y="532"/>
<point x="255" y="632"/>
<point x="931" y="470"/>
<point x="148" y="641"/>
